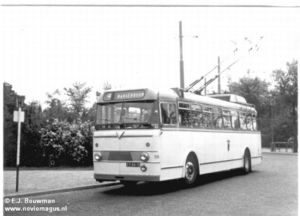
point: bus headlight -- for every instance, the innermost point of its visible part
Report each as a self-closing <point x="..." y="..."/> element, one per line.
<point x="97" y="156"/>
<point x="144" y="157"/>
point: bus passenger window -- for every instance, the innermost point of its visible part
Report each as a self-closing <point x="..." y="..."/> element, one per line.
<point x="243" y="123"/>
<point x="249" y="122"/>
<point x="254" y="122"/>
<point x="227" y="119"/>
<point x="235" y="120"/>
<point x="207" y="118"/>
<point x="168" y="113"/>
<point x="217" y="115"/>
<point x="196" y="116"/>
<point x="185" y="114"/>
<point x="172" y="111"/>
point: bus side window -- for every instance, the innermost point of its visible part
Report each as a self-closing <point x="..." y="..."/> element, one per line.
<point x="172" y="111"/>
<point x="243" y="123"/>
<point x="217" y="115"/>
<point x="254" y="122"/>
<point x="168" y="113"/>
<point x="196" y="116"/>
<point x="164" y="113"/>
<point x="185" y="114"/>
<point x="226" y="119"/>
<point x="207" y="118"/>
<point x="235" y="123"/>
<point x="249" y="122"/>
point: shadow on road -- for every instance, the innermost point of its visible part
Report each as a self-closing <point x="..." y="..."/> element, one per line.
<point x="158" y="188"/>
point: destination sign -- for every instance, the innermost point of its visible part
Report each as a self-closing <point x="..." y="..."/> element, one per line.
<point x="137" y="94"/>
<point x="129" y="95"/>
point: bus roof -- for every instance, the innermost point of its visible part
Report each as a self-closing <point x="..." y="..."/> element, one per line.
<point x="174" y="94"/>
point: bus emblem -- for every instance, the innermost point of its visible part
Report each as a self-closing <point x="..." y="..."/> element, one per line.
<point x="120" y="134"/>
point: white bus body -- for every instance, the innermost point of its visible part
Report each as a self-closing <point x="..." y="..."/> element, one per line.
<point x="217" y="135"/>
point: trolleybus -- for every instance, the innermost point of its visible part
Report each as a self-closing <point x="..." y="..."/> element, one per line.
<point x="158" y="135"/>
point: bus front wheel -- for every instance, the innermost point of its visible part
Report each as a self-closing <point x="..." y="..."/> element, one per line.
<point x="191" y="170"/>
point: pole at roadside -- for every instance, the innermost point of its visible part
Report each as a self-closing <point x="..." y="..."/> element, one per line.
<point x="19" y="117"/>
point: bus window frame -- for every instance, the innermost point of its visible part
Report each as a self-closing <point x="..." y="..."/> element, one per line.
<point x="211" y="117"/>
<point x="242" y="115"/>
<point x="180" y="117"/>
<point x="200" y="121"/>
<point x="228" y="114"/>
<point x="251" y="123"/>
<point x="219" y="113"/>
<point x="160" y="114"/>
<point x="254" y="117"/>
<point x="235" y="115"/>
<point x="124" y="125"/>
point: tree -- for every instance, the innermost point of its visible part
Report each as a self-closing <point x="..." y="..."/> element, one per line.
<point x="255" y="91"/>
<point x="66" y="143"/>
<point x="287" y="100"/>
<point x="78" y="97"/>
<point x="107" y="86"/>
<point x="57" y="109"/>
<point x="9" y="127"/>
<point x="34" y="121"/>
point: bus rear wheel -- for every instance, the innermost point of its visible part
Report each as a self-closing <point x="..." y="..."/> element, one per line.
<point x="247" y="163"/>
<point x="191" y="171"/>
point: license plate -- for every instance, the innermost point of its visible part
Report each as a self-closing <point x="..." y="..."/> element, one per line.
<point x="132" y="164"/>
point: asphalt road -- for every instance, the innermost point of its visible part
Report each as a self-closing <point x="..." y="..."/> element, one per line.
<point x="271" y="189"/>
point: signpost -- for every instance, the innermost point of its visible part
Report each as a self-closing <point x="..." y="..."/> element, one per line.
<point x="19" y="117"/>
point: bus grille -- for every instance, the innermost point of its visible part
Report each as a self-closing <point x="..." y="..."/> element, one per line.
<point x="120" y="156"/>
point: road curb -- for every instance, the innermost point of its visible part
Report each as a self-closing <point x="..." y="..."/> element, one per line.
<point x="38" y="193"/>
<point x="281" y="153"/>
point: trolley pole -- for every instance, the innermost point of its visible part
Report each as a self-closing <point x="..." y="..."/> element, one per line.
<point x="219" y="77"/>
<point x="181" y="58"/>
<point x="204" y="86"/>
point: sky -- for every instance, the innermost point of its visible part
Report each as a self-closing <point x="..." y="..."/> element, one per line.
<point x="48" y="48"/>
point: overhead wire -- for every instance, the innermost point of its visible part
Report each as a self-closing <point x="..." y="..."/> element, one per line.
<point x="199" y="90"/>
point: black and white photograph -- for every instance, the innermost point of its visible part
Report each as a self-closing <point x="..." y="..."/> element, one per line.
<point x="137" y="108"/>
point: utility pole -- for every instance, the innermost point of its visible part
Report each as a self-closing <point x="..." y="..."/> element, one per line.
<point x="219" y="77"/>
<point x="181" y="58"/>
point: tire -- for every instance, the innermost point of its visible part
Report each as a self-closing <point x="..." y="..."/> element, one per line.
<point x="191" y="171"/>
<point x="247" y="163"/>
<point x="129" y="184"/>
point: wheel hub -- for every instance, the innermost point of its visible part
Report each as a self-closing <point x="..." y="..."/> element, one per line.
<point x="189" y="170"/>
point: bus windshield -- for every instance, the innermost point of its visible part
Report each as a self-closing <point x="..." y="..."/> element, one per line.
<point x="142" y="114"/>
